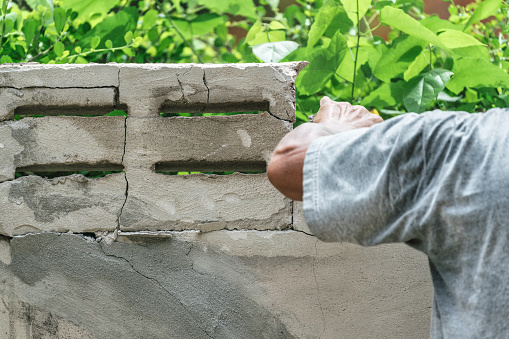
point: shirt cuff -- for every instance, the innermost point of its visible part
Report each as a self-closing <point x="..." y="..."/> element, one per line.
<point x="310" y="186"/>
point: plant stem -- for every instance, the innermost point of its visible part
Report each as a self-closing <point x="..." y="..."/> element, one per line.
<point x="3" y="25"/>
<point x="356" y="51"/>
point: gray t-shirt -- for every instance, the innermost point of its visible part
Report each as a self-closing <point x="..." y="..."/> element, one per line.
<point x="439" y="182"/>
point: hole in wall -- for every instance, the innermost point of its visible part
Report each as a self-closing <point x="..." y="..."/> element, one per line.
<point x="60" y="170"/>
<point x="202" y="114"/>
<point x="221" y="108"/>
<point x="27" y="112"/>
<point x="218" y="168"/>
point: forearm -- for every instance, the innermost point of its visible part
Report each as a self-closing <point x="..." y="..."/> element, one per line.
<point x="285" y="169"/>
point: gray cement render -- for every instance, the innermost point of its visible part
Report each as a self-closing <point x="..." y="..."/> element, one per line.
<point x="143" y="254"/>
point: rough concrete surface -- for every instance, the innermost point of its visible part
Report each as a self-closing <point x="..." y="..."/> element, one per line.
<point x="217" y="143"/>
<point x="209" y="88"/>
<point x="72" y="203"/>
<point x="245" y="284"/>
<point x="56" y="101"/>
<point x="61" y="143"/>
<point x="179" y="202"/>
<point x="144" y="253"/>
<point x="59" y="76"/>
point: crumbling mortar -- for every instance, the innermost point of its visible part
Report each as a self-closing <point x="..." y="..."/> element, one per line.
<point x="184" y="99"/>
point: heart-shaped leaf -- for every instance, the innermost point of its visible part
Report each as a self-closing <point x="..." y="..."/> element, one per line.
<point x="423" y="89"/>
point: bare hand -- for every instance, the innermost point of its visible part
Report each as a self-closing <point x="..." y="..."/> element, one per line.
<point x="344" y="116"/>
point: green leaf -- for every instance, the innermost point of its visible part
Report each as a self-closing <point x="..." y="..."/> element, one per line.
<point x="108" y="44"/>
<point x="476" y="73"/>
<point x="201" y="25"/>
<point x="5" y="59"/>
<point x="380" y="97"/>
<point x="396" y="60"/>
<point x="484" y="10"/>
<point x="274" y="51"/>
<point x="351" y="9"/>
<point x="422" y="90"/>
<point x="95" y="42"/>
<point x="253" y="31"/>
<point x="29" y="27"/>
<point x="323" y="19"/>
<point x="4" y="6"/>
<point x="59" y="17"/>
<point x="85" y="8"/>
<point x="323" y="65"/>
<point x="128" y="51"/>
<point x="34" y="4"/>
<point x="9" y="25"/>
<point x="416" y="67"/>
<point x="128" y="37"/>
<point x="236" y="7"/>
<point x="276" y="25"/>
<point x="457" y="39"/>
<point x="77" y="49"/>
<point x="405" y="23"/>
<point x="59" y="49"/>
<point x="149" y="19"/>
<point x="472" y="52"/>
<point x="263" y="37"/>
<point x="113" y="28"/>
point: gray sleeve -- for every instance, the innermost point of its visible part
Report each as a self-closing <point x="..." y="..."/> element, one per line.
<point x="362" y="186"/>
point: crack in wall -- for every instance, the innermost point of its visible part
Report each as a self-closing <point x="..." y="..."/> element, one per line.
<point x="156" y="281"/>
<point x="207" y="86"/>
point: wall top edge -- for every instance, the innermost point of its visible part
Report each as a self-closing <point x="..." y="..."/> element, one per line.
<point x="297" y="65"/>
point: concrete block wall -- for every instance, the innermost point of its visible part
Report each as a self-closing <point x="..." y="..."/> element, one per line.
<point x="141" y="253"/>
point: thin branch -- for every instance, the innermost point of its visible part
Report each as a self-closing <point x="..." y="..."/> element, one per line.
<point x="46" y="51"/>
<point x="356" y="51"/>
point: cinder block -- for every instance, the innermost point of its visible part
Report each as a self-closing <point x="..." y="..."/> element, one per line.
<point x="209" y="88"/>
<point x="59" y="76"/>
<point x="61" y="144"/>
<point x="51" y="101"/>
<point x="158" y="202"/>
<point x="216" y="143"/>
<point x="73" y="203"/>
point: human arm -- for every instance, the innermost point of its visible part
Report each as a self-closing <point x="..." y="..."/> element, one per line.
<point x="285" y="169"/>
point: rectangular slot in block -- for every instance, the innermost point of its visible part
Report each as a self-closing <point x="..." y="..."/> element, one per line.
<point x="169" y="167"/>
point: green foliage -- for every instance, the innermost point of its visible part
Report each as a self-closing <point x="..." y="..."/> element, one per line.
<point x="424" y="63"/>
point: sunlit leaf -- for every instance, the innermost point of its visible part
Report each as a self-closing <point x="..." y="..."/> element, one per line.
<point x="108" y="44"/>
<point x="423" y="89"/>
<point x="29" y="27"/>
<point x="416" y="67"/>
<point x="34" y="4"/>
<point x="113" y="28"/>
<point x="400" y="20"/>
<point x="85" y="8"/>
<point x="323" y="19"/>
<point x="59" y="17"/>
<point x="476" y="73"/>
<point x="322" y="66"/>
<point x="457" y="39"/>
<point x="236" y="7"/>
<point x="483" y="10"/>
<point x="274" y="51"/>
<point x="397" y="59"/>
<point x="5" y="59"/>
<point x="95" y="42"/>
<point x="59" y="49"/>
<point x="351" y="9"/>
<point x="149" y="19"/>
<point x="128" y="37"/>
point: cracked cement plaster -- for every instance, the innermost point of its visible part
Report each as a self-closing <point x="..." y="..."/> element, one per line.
<point x="132" y="290"/>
